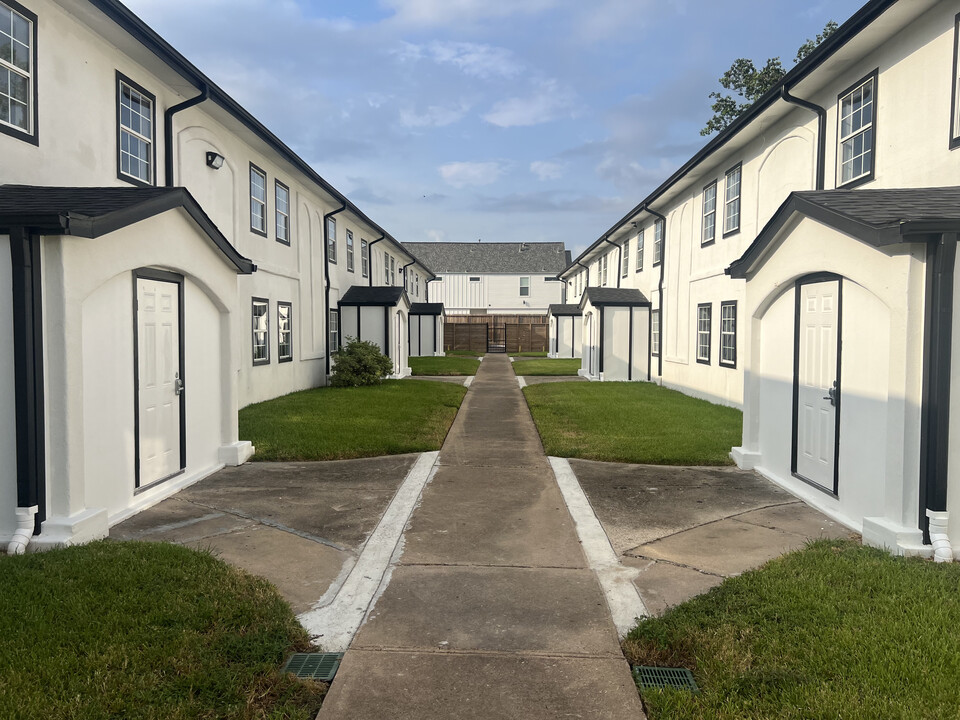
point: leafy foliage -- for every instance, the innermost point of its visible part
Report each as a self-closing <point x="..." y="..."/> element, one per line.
<point x="360" y="363"/>
<point x="750" y="84"/>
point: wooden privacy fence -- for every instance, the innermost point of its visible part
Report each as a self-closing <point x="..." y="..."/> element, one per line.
<point x="526" y="338"/>
<point x="510" y="337"/>
<point x="465" y="336"/>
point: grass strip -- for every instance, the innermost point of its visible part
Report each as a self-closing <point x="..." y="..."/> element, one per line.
<point x="532" y="354"/>
<point x="399" y="416"/>
<point x="145" y="630"/>
<point x="836" y="630"/>
<point x="465" y="353"/>
<point x="632" y="422"/>
<point x="562" y="366"/>
<point x="443" y="366"/>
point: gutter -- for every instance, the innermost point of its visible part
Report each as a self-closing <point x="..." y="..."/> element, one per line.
<point x="821" y="114"/>
<point x="370" y="259"/>
<point x="326" y="276"/>
<point x="577" y="262"/>
<point x="606" y="239"/>
<point x="168" y="130"/>
<point x="403" y="271"/>
<point x="663" y="263"/>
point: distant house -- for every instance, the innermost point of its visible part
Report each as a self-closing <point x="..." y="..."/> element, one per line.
<point x="494" y="278"/>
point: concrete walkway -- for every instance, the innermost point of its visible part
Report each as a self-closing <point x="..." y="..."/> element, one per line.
<point x="492" y="611"/>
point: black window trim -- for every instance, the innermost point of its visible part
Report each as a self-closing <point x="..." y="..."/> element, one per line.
<point x="734" y="231"/>
<point x="276" y="211"/>
<point x="364" y="260"/>
<point x="659" y="333"/>
<point x="289" y="306"/>
<point x="253" y="331"/>
<point x="350" y="250"/>
<point x="857" y="182"/>
<point x="330" y="328"/>
<point x="954" y="124"/>
<point x="33" y="137"/>
<point x="658" y="223"/>
<point x="266" y="199"/>
<point x="638" y="263"/>
<point x="720" y="360"/>
<point x="716" y="197"/>
<point x="331" y="241"/>
<point x="709" y="307"/>
<point x="121" y="78"/>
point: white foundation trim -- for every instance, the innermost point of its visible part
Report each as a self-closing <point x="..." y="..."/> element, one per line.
<point x="236" y="453"/>
<point x="883" y="533"/>
<point x="82" y="527"/>
<point x="745" y="459"/>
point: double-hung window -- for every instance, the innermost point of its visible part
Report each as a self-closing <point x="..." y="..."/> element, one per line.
<point x="955" y="90"/>
<point x="349" y="250"/>
<point x="655" y="332"/>
<point x="709" y="233"/>
<point x="625" y="264"/>
<point x="603" y="270"/>
<point x="639" y="250"/>
<point x="333" y="330"/>
<point x="524" y="287"/>
<point x="731" y="200"/>
<point x="18" y="52"/>
<point x="282" y="206"/>
<point x="704" y="320"/>
<point x="657" y="242"/>
<point x="386" y="268"/>
<point x="393" y="270"/>
<point x="284" y="332"/>
<point x="364" y="259"/>
<point x="258" y="200"/>
<point x="332" y="240"/>
<point x="728" y="333"/>
<point x="135" y="125"/>
<point x="261" y="331"/>
<point x="857" y="137"/>
<point x="416" y="284"/>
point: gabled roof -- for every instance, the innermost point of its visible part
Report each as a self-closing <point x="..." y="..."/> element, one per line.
<point x="377" y="295"/>
<point x="618" y="297"/>
<point x="92" y="212"/>
<point x="564" y="310"/>
<point x="426" y="308"/>
<point x="876" y="217"/>
<point x="494" y="257"/>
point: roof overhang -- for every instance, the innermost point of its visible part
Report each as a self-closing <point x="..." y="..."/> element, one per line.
<point x="375" y="296"/>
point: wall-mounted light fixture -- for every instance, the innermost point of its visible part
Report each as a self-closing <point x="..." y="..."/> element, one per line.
<point x="214" y="160"/>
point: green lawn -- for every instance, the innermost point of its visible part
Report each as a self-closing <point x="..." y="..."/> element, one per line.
<point x="833" y="631"/>
<point x="465" y="353"/>
<point x="145" y="630"/>
<point x="529" y="354"/>
<point x="632" y="422"/>
<point x="444" y="366"/>
<point x="561" y="366"/>
<point x="399" y="416"/>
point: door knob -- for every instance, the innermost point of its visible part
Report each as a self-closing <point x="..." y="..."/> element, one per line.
<point x="832" y="394"/>
<point x="177" y="384"/>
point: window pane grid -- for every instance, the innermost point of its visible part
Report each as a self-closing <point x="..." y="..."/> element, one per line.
<point x="625" y="265"/>
<point x="703" y="333"/>
<point x="524" y="287"/>
<point x="284" y="332"/>
<point x="364" y="260"/>
<point x="640" y="251"/>
<point x="261" y="349"/>
<point x="333" y="321"/>
<point x="136" y="134"/>
<point x="658" y="242"/>
<point x="856" y="133"/>
<point x="709" y="214"/>
<point x="331" y="240"/>
<point x="655" y="332"/>
<point x="15" y="68"/>
<point x="731" y="216"/>
<point x="350" y="250"/>
<point x="728" y="333"/>
<point x="283" y="213"/>
<point x="258" y="201"/>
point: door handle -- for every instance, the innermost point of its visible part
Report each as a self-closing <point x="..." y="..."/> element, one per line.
<point x="177" y="384"/>
<point x="832" y="394"/>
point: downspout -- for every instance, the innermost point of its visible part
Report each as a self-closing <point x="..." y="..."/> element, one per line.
<point x="403" y="271"/>
<point x="168" y="131"/>
<point x="326" y="276"/>
<point x="821" y="131"/>
<point x="370" y="260"/>
<point x="619" y="248"/>
<point x="588" y="274"/>
<point x="663" y="262"/>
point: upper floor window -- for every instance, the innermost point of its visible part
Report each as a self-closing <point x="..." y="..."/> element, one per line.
<point x="18" y="52"/>
<point x="639" y="250"/>
<point x="393" y="270"/>
<point x="731" y="200"/>
<point x="282" y="197"/>
<point x="350" y="250"/>
<point x="258" y="200"/>
<point x="416" y="284"/>
<point x="524" y="287"/>
<point x="332" y="240"/>
<point x="364" y="259"/>
<point x="625" y="264"/>
<point x="955" y="90"/>
<point x="261" y="331"/>
<point x="658" y="242"/>
<point x="704" y="320"/>
<point x="386" y="268"/>
<point x="603" y="270"/>
<point x="475" y="278"/>
<point x="284" y="332"/>
<point x="709" y="214"/>
<point x="856" y="135"/>
<point x="135" y="144"/>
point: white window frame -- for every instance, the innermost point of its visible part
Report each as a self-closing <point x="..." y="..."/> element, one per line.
<point x="28" y="74"/>
<point x="625" y="264"/>
<point x="140" y="128"/>
<point x="639" y="250"/>
<point x="704" y="335"/>
<point x="524" y="287"/>
<point x="333" y="329"/>
<point x="416" y="284"/>
<point x="856" y="128"/>
<point x="386" y="268"/>
<point x="393" y="270"/>
<point x="655" y="333"/>
<point x="657" y="242"/>
<point x="332" y="240"/>
<point x="603" y="270"/>
<point x="350" y="250"/>
<point x="728" y="334"/>
<point x="260" y="330"/>
<point x="708" y="227"/>
<point x="258" y="224"/>
<point x="364" y="260"/>
<point x="284" y="331"/>
<point x="281" y="209"/>
<point x="732" y="192"/>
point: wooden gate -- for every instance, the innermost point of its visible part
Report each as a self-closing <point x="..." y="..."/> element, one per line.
<point x="526" y="338"/>
<point x="461" y="336"/>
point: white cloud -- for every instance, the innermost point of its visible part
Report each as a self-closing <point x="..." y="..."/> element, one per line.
<point x="475" y="59"/>
<point x="434" y="116"/>
<point x="456" y="12"/>
<point x="436" y="235"/>
<point x="548" y="102"/>
<point x="462" y="174"/>
<point x="546" y="170"/>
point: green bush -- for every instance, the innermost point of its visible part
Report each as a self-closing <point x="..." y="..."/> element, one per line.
<point x="360" y="362"/>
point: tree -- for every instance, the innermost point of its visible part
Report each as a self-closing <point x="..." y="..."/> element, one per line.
<point x="749" y="84"/>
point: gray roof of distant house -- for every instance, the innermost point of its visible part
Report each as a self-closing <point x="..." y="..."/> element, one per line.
<point x="426" y="308"/>
<point x="376" y="295"/>
<point x="495" y="257"/>
<point x="619" y="297"/>
<point x="565" y="310"/>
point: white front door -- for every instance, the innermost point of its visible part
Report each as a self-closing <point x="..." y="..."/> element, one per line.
<point x="818" y="369"/>
<point x="158" y="379"/>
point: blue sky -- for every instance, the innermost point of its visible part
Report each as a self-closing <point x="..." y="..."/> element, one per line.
<point x="501" y="120"/>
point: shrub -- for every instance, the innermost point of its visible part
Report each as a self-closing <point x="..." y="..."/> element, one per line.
<point x="360" y="362"/>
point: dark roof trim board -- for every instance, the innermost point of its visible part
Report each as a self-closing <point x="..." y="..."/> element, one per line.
<point x="149" y="38"/>
<point x="558" y="310"/>
<point x="426" y="309"/>
<point x="378" y="295"/>
<point x="857" y="22"/>
<point x="876" y="217"/>
<point x="613" y="297"/>
<point x="93" y="212"/>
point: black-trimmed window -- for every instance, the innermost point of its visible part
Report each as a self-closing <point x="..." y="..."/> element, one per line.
<point x="731" y="200"/>
<point x="524" y="287"/>
<point x="282" y="211"/>
<point x="261" y="331"/>
<point x="639" y="250"/>
<point x="364" y="260"/>
<point x="332" y="240"/>
<point x="386" y="268"/>
<point x="333" y="329"/>
<point x="856" y="134"/>
<point x="704" y="322"/>
<point x="657" y="242"/>
<point x="728" y="333"/>
<point x="258" y="200"/>
<point x="136" y="149"/>
<point x="416" y="284"/>
<point x="18" y="81"/>
<point x="393" y="270"/>
<point x="603" y="270"/>
<point x="625" y="263"/>
<point x="709" y="227"/>
<point x="349" y="250"/>
<point x="655" y="333"/>
<point x="955" y="90"/>
<point x="284" y="332"/>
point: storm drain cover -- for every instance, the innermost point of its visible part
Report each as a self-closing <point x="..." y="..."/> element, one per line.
<point x="314" y="666"/>
<point x="659" y="678"/>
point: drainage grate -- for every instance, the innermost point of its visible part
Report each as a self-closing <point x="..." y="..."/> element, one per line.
<point x="659" y="678"/>
<point x="314" y="666"/>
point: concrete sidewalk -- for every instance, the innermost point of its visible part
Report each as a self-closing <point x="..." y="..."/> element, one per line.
<point x="492" y="610"/>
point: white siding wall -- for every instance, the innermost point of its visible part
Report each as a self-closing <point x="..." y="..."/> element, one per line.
<point x="495" y="293"/>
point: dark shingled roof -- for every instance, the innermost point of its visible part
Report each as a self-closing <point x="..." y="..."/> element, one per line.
<point x="376" y="295"/>
<point x="876" y="217"/>
<point x="564" y="310"/>
<point x="620" y="297"/>
<point x="483" y="257"/>
<point x="426" y="308"/>
<point x="91" y="212"/>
